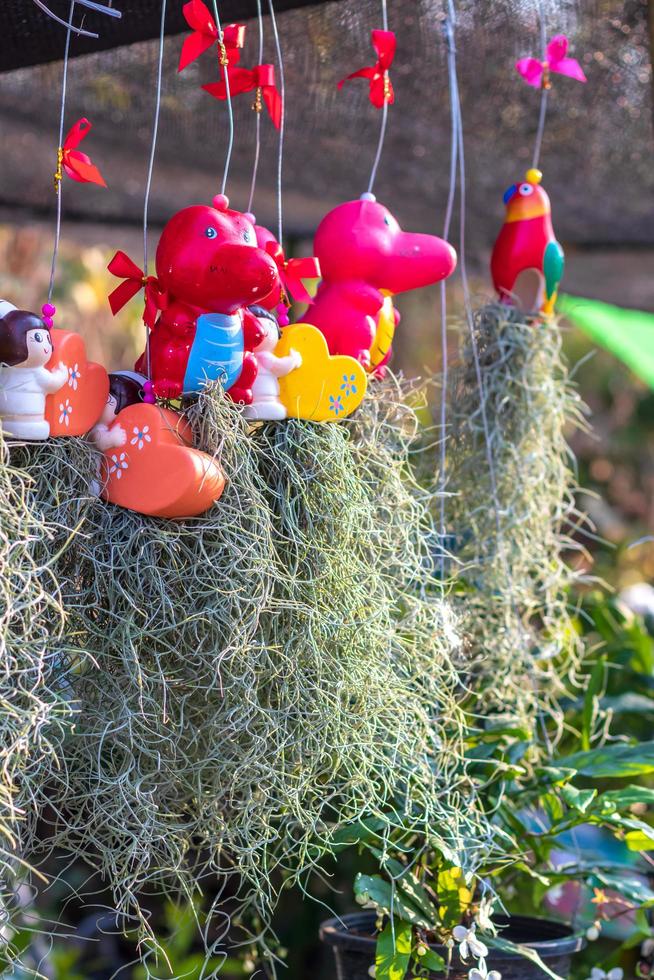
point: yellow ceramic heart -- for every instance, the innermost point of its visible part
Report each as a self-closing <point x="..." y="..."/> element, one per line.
<point x="326" y="387"/>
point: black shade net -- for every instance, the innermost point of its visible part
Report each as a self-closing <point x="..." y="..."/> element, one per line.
<point x="596" y="156"/>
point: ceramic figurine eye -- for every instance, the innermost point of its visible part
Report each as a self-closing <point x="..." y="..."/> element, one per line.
<point x="246" y="236"/>
<point x="526" y="190"/>
<point x="387" y="220"/>
<point x="37" y="337"/>
<point x="211" y="233"/>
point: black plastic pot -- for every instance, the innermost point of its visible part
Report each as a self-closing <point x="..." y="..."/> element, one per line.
<point x="353" y="943"/>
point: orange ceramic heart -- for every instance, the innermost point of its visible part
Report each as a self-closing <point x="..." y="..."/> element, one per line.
<point x="325" y="387"/>
<point x="156" y="471"/>
<point x="75" y="408"/>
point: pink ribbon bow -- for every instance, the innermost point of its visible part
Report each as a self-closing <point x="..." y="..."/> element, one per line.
<point x="76" y="164"/>
<point x="260" y="78"/>
<point x="293" y="271"/>
<point x="537" y="73"/>
<point x="381" y="88"/>
<point x="205" y="35"/>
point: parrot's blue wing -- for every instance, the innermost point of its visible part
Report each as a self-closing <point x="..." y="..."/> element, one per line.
<point x="216" y="354"/>
<point x="553" y="268"/>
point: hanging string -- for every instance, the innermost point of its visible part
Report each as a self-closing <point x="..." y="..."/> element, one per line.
<point x="230" y="108"/>
<point x="282" y="124"/>
<point x="384" y="120"/>
<point x="153" y="150"/>
<point x="467" y="302"/>
<point x="544" y="92"/>
<point x="99" y="8"/>
<point x="257" y="150"/>
<point x="58" y="177"/>
<point x="451" y="72"/>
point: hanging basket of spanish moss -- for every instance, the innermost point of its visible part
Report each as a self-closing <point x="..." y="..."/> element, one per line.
<point x="511" y="506"/>
<point x="209" y="700"/>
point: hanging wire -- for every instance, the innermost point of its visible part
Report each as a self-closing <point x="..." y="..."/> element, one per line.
<point x="454" y="149"/>
<point x="467" y="302"/>
<point x="544" y="92"/>
<point x="153" y="150"/>
<point x="230" y="107"/>
<point x="282" y="124"/>
<point x="58" y="174"/>
<point x="99" y="8"/>
<point x="257" y="150"/>
<point x="384" y="120"/>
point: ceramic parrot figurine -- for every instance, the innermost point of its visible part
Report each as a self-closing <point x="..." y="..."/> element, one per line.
<point x="527" y="262"/>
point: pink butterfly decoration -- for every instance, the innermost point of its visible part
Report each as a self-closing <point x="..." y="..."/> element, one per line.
<point x="537" y="73"/>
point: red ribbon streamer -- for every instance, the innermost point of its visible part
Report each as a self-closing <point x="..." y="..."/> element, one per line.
<point x="122" y="267"/>
<point x="293" y="271"/>
<point x="247" y="80"/>
<point x="205" y="34"/>
<point x="381" y="88"/>
<point x="78" y="165"/>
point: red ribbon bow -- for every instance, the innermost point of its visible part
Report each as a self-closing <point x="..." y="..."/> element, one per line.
<point x="293" y="271"/>
<point x="205" y="34"/>
<point x="261" y="77"/>
<point x="76" y="164"/>
<point x="122" y="267"/>
<point x="381" y="88"/>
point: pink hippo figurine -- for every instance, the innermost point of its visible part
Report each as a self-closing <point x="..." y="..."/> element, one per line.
<point x="365" y="257"/>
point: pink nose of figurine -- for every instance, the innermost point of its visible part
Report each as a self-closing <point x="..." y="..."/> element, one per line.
<point x="417" y="261"/>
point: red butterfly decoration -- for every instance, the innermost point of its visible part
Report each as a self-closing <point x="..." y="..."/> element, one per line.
<point x="205" y="34"/>
<point x="76" y="164"/>
<point x="381" y="88"/>
<point x="247" y="80"/>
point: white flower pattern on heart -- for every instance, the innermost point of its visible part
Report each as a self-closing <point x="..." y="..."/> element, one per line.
<point x="65" y="412"/>
<point x="118" y="464"/>
<point x="141" y="436"/>
<point x="74" y="374"/>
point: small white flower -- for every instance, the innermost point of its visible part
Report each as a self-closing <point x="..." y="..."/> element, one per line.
<point x="65" y="412"/>
<point x="118" y="464"/>
<point x="468" y="942"/>
<point x="372" y="971"/>
<point x="74" y="374"/>
<point x="480" y="972"/>
<point x="597" y="973"/>
<point x="647" y="949"/>
<point x="485" y="914"/>
<point x="141" y="436"/>
<point x="592" y="933"/>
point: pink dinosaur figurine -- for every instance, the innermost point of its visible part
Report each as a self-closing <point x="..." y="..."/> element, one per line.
<point x="365" y="257"/>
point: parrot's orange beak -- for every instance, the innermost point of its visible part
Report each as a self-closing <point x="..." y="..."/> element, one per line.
<point x="522" y="208"/>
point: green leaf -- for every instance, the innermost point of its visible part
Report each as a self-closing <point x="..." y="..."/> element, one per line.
<point x="555" y="775"/>
<point x="588" y="715"/>
<point x="393" y="951"/>
<point x="506" y="946"/>
<point x="615" y="761"/>
<point x="626" y="884"/>
<point x="406" y="881"/>
<point x="431" y="961"/>
<point x="379" y="891"/>
<point x="361" y="832"/>
<point x="638" y="840"/>
<point x="579" y="799"/>
<point x="628" y="795"/>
